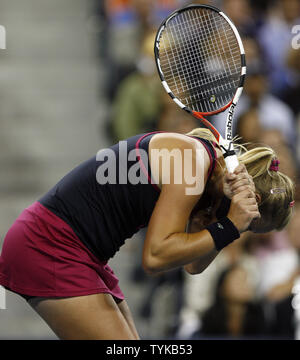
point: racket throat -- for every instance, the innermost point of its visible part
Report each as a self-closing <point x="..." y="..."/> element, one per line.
<point x="199" y="115"/>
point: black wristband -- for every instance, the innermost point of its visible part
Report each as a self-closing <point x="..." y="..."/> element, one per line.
<point x="223" y="233"/>
<point x="223" y="208"/>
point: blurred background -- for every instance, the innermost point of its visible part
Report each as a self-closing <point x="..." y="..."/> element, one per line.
<point x="79" y="75"/>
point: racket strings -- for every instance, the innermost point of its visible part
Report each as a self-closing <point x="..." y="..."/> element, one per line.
<point x="215" y="65"/>
<point x="193" y="57"/>
<point x="200" y="59"/>
<point x="205" y="53"/>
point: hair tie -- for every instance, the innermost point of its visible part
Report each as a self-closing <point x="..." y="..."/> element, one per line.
<point x="274" y="165"/>
<point x="292" y="203"/>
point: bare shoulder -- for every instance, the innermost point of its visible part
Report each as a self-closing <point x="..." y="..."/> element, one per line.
<point x="171" y="141"/>
<point x="173" y="154"/>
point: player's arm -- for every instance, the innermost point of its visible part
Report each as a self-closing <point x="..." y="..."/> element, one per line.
<point x="198" y="266"/>
<point x="167" y="246"/>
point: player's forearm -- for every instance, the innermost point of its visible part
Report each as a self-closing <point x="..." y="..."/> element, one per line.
<point x="178" y="250"/>
<point x="198" y="266"/>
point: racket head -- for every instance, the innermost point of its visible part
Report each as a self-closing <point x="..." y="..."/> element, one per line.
<point x="200" y="60"/>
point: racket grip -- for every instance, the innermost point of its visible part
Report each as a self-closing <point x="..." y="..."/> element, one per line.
<point x="231" y="163"/>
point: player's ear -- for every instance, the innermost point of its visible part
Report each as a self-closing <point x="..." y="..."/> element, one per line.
<point x="258" y="198"/>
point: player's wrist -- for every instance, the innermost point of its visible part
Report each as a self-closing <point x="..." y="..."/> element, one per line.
<point x="223" y="232"/>
<point x="224" y="207"/>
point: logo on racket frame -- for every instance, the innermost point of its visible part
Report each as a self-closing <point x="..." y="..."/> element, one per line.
<point x="229" y="122"/>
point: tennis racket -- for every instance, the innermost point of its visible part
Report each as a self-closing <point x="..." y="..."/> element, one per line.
<point x="201" y="62"/>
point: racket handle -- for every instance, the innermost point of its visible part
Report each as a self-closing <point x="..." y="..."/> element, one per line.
<point x="231" y="163"/>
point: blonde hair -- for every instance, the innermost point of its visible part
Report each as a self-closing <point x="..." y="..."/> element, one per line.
<point x="275" y="188"/>
<point x="203" y="133"/>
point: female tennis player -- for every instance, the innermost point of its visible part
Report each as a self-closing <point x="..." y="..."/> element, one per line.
<point x="55" y="254"/>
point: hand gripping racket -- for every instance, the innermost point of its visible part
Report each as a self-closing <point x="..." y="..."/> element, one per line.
<point x="201" y="61"/>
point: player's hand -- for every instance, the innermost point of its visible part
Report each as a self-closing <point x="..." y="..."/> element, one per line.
<point x="238" y="181"/>
<point x="243" y="209"/>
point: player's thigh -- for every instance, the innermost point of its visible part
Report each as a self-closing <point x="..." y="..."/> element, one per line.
<point x="124" y="308"/>
<point x="94" y="317"/>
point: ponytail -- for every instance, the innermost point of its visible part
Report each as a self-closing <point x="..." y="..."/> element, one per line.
<point x="258" y="161"/>
<point x="275" y="188"/>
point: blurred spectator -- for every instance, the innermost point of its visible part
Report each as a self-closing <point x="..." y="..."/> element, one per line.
<point x="287" y="158"/>
<point x="294" y="227"/>
<point x="291" y="94"/>
<point x="260" y="6"/>
<point x="198" y="296"/>
<point x="254" y="53"/>
<point x="280" y="295"/>
<point x="278" y="265"/>
<point x="199" y="289"/>
<point x="275" y="37"/>
<point x="128" y="23"/>
<point x="293" y="301"/>
<point x="123" y="40"/>
<point x="174" y="119"/>
<point x="138" y="101"/>
<point x="153" y="12"/>
<point x="241" y="13"/>
<point x="249" y="127"/>
<point x="235" y="313"/>
<point x="277" y="259"/>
